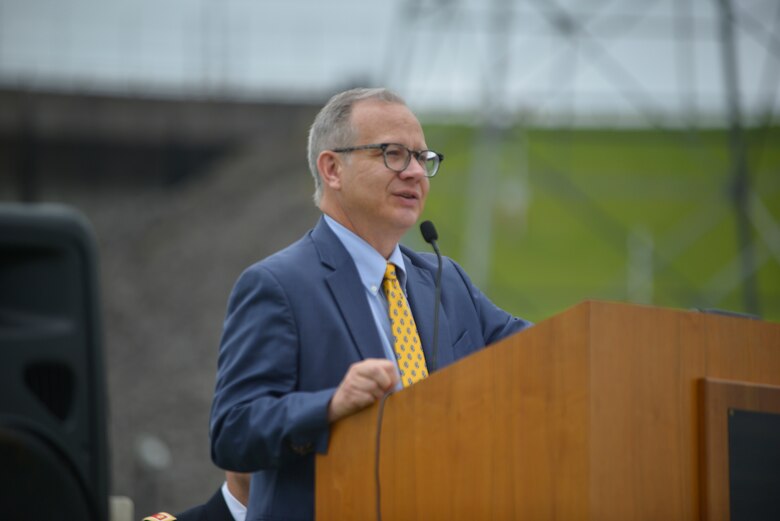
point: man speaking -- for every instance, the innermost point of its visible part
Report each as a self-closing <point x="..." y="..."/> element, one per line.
<point x="328" y="325"/>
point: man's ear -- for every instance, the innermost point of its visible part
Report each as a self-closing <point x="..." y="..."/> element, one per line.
<point x="329" y="165"/>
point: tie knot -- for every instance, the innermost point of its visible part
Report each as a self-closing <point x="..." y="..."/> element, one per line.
<point x="390" y="271"/>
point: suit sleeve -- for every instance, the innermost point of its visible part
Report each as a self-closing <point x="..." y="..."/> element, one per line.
<point x="259" y="418"/>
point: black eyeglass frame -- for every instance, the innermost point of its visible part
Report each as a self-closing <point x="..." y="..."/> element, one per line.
<point x="383" y="148"/>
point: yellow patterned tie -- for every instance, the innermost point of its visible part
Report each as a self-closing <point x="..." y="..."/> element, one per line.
<point x="406" y="341"/>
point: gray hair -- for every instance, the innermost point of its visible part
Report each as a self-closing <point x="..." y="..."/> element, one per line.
<point x="332" y="127"/>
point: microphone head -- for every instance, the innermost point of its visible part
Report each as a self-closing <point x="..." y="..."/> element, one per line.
<point x="428" y="231"/>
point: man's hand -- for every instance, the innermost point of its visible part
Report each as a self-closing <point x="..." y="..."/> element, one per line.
<point x="365" y="382"/>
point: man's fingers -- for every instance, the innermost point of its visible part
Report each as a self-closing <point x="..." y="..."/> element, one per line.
<point x="380" y="371"/>
<point x="392" y="374"/>
<point x="365" y="382"/>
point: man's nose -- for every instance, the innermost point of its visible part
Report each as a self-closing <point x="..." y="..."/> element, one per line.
<point x="415" y="169"/>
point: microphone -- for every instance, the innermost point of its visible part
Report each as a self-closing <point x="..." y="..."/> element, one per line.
<point x="428" y="231"/>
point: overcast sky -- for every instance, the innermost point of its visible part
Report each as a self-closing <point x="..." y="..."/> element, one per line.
<point x="571" y="56"/>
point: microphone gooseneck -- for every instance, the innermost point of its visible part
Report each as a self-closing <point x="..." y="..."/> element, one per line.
<point x="428" y="231"/>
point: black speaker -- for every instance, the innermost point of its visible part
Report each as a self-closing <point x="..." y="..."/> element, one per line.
<point x="53" y="448"/>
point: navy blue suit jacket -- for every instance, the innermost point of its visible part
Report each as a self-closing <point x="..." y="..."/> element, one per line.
<point x="295" y="323"/>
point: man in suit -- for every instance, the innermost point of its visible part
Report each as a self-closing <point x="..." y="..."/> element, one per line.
<point x="307" y="338"/>
<point x="227" y="504"/>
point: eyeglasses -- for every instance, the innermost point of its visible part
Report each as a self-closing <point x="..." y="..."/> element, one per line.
<point x="397" y="157"/>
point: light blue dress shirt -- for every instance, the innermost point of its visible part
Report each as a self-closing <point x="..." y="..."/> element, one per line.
<point x="371" y="268"/>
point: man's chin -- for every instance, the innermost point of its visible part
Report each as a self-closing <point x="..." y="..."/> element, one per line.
<point x="406" y="219"/>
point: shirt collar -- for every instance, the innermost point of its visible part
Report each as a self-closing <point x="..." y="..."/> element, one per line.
<point x="369" y="262"/>
<point x="237" y="509"/>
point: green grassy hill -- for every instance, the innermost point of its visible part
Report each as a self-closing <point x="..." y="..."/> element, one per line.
<point x="628" y="215"/>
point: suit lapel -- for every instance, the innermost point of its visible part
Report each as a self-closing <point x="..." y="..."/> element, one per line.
<point x="217" y="509"/>
<point x="351" y="300"/>
<point x="421" y="291"/>
<point x="348" y="293"/>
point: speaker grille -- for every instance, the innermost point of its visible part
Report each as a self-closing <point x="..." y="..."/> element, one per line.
<point x="52" y="383"/>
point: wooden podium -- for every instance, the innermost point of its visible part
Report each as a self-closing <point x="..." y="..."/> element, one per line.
<point x="598" y="413"/>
